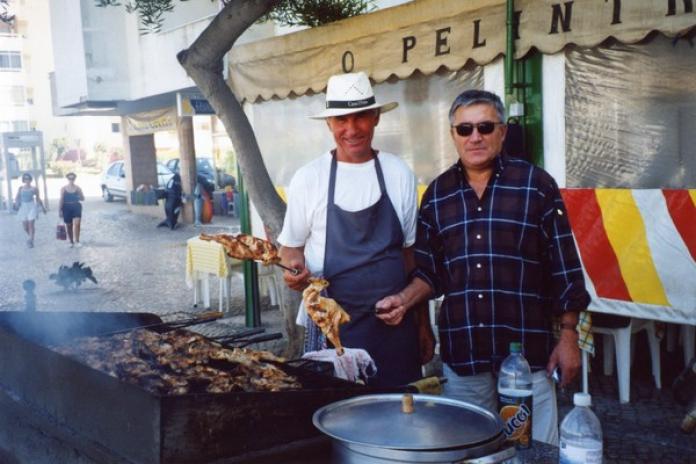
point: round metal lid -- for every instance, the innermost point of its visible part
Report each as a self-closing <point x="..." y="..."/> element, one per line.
<point x="435" y="423"/>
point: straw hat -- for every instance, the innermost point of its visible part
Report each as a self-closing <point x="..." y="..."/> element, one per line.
<point x="350" y="93"/>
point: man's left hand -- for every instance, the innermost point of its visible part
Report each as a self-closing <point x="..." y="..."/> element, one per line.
<point x="566" y="355"/>
<point x="391" y="309"/>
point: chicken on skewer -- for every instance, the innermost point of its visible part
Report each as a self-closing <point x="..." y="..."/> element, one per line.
<point x="243" y="246"/>
<point x="326" y="313"/>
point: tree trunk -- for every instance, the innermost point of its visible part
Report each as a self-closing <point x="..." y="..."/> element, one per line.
<point x="203" y="62"/>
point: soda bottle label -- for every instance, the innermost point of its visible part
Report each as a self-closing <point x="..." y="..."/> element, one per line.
<point x="590" y="454"/>
<point x="516" y="413"/>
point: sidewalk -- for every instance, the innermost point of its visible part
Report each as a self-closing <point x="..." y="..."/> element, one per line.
<point x="142" y="268"/>
<point x="139" y="267"/>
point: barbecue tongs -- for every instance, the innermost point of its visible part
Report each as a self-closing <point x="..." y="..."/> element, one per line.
<point x="201" y="318"/>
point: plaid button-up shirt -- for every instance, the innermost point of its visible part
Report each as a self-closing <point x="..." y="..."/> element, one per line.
<point x="505" y="263"/>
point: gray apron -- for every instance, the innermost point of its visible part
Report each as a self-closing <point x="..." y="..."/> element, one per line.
<point x="363" y="261"/>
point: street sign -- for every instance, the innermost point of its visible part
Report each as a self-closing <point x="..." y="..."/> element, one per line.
<point x="188" y="105"/>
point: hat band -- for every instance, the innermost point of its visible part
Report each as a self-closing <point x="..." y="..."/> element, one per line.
<point x="342" y="104"/>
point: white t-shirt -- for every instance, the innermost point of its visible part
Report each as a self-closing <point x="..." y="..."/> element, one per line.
<point x="357" y="188"/>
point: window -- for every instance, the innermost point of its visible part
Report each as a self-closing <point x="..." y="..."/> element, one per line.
<point x="12" y="95"/>
<point x="10" y="61"/>
<point x="18" y="126"/>
<point x="162" y="170"/>
<point x="115" y="127"/>
<point x="115" y="169"/>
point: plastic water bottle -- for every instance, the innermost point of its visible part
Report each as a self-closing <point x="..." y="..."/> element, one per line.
<point x="515" y="397"/>
<point x="581" y="434"/>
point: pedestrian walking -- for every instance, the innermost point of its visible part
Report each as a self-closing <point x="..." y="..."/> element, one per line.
<point x="70" y="209"/>
<point x="27" y="203"/>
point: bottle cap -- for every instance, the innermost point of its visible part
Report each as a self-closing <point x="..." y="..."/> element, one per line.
<point x="515" y="347"/>
<point x="582" y="399"/>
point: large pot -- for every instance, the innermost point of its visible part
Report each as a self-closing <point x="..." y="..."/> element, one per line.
<point x="397" y="428"/>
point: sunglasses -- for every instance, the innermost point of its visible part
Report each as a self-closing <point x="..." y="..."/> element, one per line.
<point x="465" y="129"/>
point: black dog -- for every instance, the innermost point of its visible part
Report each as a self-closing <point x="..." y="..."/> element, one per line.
<point x="73" y="276"/>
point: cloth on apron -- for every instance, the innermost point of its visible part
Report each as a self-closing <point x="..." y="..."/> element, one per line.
<point x="363" y="261"/>
<point x="314" y="339"/>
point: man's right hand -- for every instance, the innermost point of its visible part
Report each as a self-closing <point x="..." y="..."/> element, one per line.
<point x="294" y="258"/>
<point x="297" y="282"/>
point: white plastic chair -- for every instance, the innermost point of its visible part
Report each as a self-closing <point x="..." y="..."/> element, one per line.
<point x="201" y="290"/>
<point x="268" y="284"/>
<point x="619" y="340"/>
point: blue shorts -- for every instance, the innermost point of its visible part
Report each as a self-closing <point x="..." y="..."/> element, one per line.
<point x="71" y="211"/>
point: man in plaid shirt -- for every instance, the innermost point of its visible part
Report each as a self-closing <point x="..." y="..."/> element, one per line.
<point x="493" y="238"/>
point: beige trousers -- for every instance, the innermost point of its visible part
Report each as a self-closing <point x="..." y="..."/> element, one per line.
<point x="481" y="389"/>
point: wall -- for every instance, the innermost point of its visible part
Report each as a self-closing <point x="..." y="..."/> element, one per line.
<point x="14" y="109"/>
<point x="69" y="52"/>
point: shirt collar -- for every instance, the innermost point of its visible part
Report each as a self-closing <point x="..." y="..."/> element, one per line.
<point x="500" y="162"/>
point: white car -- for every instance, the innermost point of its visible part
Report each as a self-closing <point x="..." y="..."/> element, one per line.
<point x="113" y="182"/>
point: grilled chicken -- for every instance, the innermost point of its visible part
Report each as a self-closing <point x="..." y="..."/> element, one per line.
<point x="243" y="246"/>
<point x="180" y="362"/>
<point x="325" y="312"/>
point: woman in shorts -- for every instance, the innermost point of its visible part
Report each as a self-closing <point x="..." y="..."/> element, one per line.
<point x="27" y="203"/>
<point x="70" y="209"/>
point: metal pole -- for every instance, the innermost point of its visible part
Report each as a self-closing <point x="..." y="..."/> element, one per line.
<point x="7" y="173"/>
<point x="509" y="49"/>
<point x="42" y="161"/>
<point x="251" y="277"/>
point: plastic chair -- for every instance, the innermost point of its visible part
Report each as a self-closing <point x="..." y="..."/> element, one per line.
<point x="619" y="340"/>
<point x="268" y="284"/>
<point x="201" y="290"/>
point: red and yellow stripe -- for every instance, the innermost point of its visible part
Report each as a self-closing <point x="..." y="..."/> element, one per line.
<point x="681" y="205"/>
<point x="613" y="243"/>
<point x="596" y="251"/>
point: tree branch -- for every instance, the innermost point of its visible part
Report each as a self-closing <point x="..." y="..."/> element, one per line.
<point x="203" y="62"/>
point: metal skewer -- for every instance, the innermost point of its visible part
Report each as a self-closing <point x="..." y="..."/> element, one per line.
<point x="293" y="271"/>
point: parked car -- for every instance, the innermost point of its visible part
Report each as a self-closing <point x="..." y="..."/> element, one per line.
<point x="205" y="166"/>
<point x="113" y="182"/>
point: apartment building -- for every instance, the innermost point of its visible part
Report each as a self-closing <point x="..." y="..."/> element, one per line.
<point x="16" y="96"/>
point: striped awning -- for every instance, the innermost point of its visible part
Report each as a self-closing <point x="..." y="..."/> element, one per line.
<point x="638" y="249"/>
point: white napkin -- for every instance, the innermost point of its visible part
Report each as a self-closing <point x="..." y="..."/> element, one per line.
<point x="355" y="363"/>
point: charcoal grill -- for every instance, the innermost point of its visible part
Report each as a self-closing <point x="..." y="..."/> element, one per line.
<point x="141" y="426"/>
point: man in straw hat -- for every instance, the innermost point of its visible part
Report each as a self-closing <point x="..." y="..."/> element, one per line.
<point x="351" y="218"/>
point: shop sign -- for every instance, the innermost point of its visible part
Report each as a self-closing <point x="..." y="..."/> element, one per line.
<point x="383" y="45"/>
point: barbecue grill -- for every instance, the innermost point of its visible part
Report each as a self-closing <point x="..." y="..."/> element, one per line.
<point x="142" y="426"/>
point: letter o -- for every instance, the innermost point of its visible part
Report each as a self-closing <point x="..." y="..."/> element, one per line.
<point x="347" y="56"/>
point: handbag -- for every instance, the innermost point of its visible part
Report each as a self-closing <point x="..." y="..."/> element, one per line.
<point x="61" y="232"/>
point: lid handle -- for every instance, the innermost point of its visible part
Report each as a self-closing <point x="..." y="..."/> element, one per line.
<point x="407" y="403"/>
